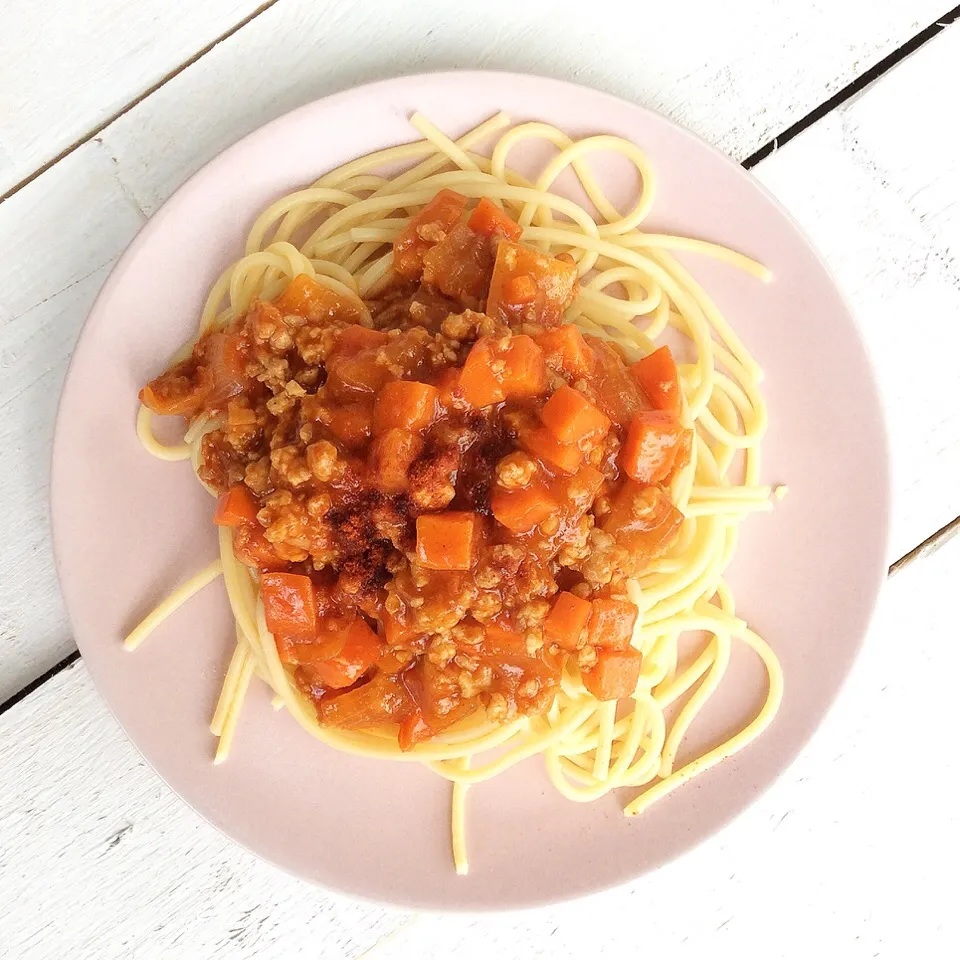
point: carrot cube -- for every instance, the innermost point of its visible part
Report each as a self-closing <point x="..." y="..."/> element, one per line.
<point x="659" y="380"/>
<point x="651" y="446"/>
<point x="498" y="370"/>
<point x="567" y="620"/>
<point x="571" y="417"/>
<point x="487" y="218"/>
<point x="406" y="404"/>
<point x="611" y="623"/>
<point x="309" y="298"/>
<point x="237" y="505"/>
<point x="615" y="674"/>
<point x="355" y="338"/>
<point x="521" y="510"/>
<point x="566" y="457"/>
<point x="565" y="349"/>
<point x="447" y="541"/>
<point x="427" y="228"/>
<point x="289" y="605"/>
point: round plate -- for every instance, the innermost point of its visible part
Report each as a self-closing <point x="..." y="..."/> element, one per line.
<point x="128" y="528"/>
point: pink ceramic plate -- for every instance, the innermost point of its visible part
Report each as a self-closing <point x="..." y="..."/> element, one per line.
<point x="128" y="527"/>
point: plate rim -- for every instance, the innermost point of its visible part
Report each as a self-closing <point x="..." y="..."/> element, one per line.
<point x="885" y="486"/>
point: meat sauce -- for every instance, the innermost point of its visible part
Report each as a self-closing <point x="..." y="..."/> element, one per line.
<point x="445" y="507"/>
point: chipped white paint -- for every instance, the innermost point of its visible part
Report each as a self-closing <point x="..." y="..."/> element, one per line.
<point x="97" y="858"/>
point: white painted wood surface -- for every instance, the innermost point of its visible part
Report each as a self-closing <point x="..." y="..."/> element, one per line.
<point x="65" y="67"/>
<point x="97" y="858"/>
<point x="852" y="854"/>
<point x="876" y="184"/>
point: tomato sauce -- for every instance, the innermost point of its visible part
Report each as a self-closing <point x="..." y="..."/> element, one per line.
<point x="444" y="508"/>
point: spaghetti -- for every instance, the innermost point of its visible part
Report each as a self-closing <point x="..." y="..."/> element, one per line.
<point x="340" y="233"/>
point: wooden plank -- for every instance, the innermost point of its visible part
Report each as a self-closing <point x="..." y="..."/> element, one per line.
<point x="70" y="66"/>
<point x="736" y="87"/>
<point x="86" y="827"/>
<point x="62" y="237"/>
<point x="877" y="186"/>
<point x="80" y="214"/>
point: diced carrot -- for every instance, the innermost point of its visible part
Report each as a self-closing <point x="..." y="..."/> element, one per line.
<point x="487" y="218"/>
<point x="351" y="423"/>
<point x="520" y="290"/>
<point x="546" y="447"/>
<point x="460" y="266"/>
<point x="572" y="418"/>
<point x="513" y="672"/>
<point x="447" y="541"/>
<point x="391" y="456"/>
<point x="614" y="390"/>
<point x="414" y="729"/>
<point x="501" y="640"/>
<point x="521" y="510"/>
<point x="432" y="688"/>
<point x="309" y="298"/>
<point x="683" y="454"/>
<point x="448" y="390"/>
<point x="252" y="548"/>
<point x="644" y="520"/>
<point x="396" y="632"/>
<point x="565" y="350"/>
<point x="384" y="699"/>
<point x="391" y="663"/>
<point x="611" y="623"/>
<point x="505" y="369"/>
<point x="330" y="639"/>
<point x="353" y="378"/>
<point x="615" y="674"/>
<point x="479" y="385"/>
<point x="525" y="374"/>
<point x="236" y="506"/>
<point x="555" y="281"/>
<point x="658" y="378"/>
<point x="582" y="488"/>
<point x="355" y="338"/>
<point x="651" y="446"/>
<point x="289" y="605"/>
<point x="566" y="621"/>
<point x="420" y="726"/>
<point x="428" y="227"/>
<point x="406" y="404"/>
<point x="361" y="649"/>
<point x="180" y="391"/>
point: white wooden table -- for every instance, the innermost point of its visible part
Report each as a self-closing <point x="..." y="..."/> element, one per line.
<point x="845" y="109"/>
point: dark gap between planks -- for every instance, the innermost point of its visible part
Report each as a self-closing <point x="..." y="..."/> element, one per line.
<point x="854" y="87"/>
<point x="929" y="546"/>
<point x="138" y="99"/>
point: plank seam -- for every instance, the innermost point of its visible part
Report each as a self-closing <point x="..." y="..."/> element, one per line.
<point x="854" y="87"/>
<point x="166" y="78"/>
<point x="22" y="694"/>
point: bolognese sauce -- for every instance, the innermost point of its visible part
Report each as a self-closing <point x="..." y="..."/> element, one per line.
<point x="443" y="509"/>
